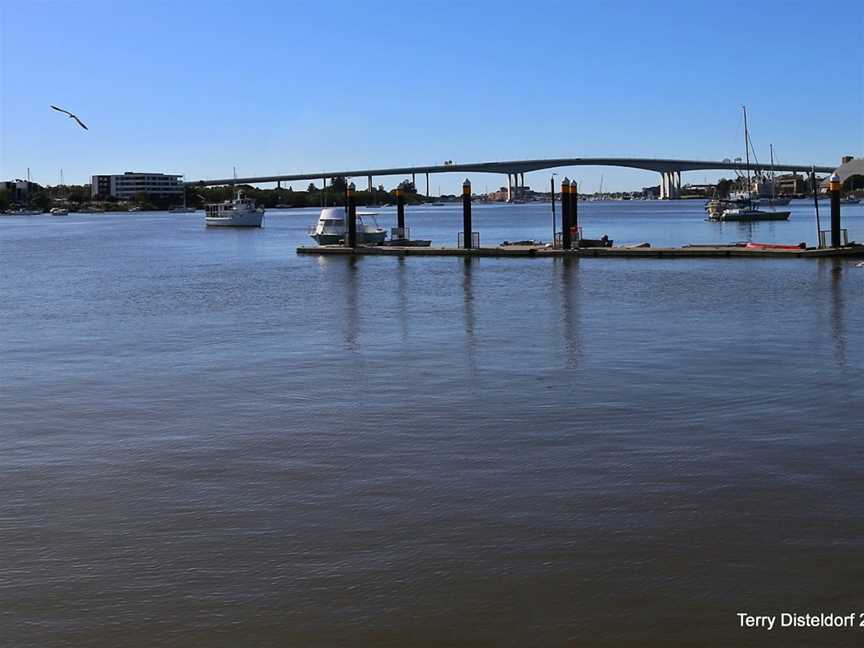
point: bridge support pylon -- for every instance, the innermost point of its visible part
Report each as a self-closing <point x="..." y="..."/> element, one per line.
<point x="670" y="185"/>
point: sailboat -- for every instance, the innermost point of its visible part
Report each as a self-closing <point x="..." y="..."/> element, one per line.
<point x="773" y="200"/>
<point x="746" y="211"/>
<point x="184" y="209"/>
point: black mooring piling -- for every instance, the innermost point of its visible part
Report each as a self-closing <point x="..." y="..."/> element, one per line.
<point x="466" y="214"/>
<point x="400" y="212"/>
<point x="565" y="214"/>
<point x="352" y="216"/>
<point x="574" y="212"/>
<point x="834" y="187"/>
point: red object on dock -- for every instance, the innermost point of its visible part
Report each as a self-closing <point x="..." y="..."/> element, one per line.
<point x="775" y="246"/>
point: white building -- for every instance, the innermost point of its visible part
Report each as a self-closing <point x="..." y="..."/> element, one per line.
<point x="130" y="184"/>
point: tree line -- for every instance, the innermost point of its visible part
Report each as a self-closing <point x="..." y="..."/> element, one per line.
<point x="314" y="196"/>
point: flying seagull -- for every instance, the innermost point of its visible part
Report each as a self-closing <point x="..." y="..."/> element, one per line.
<point x="71" y="116"/>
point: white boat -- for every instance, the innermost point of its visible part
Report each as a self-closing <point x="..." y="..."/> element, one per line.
<point x="25" y="212"/>
<point x="240" y="212"/>
<point x="59" y="211"/>
<point x="332" y="228"/>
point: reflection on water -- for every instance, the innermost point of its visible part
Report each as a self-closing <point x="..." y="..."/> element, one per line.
<point x="569" y="303"/>
<point x="402" y="304"/>
<point x="467" y="264"/>
<point x="350" y="290"/>
<point x="838" y="332"/>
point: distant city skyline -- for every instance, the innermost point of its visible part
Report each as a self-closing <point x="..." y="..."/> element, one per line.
<point x="201" y="88"/>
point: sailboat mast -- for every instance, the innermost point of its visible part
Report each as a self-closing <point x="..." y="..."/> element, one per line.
<point x="773" y="188"/>
<point x="747" y="148"/>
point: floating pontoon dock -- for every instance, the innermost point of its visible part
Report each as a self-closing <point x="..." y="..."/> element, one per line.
<point x="688" y="252"/>
<point x="573" y="245"/>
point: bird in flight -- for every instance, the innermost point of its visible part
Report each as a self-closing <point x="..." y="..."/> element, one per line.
<point x="71" y="116"/>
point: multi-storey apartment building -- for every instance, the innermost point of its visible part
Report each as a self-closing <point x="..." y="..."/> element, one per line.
<point x="130" y="184"/>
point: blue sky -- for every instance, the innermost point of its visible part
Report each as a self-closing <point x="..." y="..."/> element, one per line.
<point x="279" y="87"/>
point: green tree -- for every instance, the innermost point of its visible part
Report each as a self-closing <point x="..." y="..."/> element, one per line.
<point x="41" y="200"/>
<point x="406" y="186"/>
<point x="723" y="187"/>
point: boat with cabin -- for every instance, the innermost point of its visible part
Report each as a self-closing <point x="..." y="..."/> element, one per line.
<point x="332" y="228"/>
<point x="239" y="212"/>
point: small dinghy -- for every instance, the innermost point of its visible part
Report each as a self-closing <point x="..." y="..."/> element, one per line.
<point x="774" y="246"/>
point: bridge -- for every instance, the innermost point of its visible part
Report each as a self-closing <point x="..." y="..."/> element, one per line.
<point x="670" y="171"/>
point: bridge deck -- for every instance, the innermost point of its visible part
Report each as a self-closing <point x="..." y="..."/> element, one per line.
<point x="659" y="165"/>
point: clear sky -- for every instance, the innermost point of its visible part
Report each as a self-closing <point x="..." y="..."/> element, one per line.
<point x="281" y="87"/>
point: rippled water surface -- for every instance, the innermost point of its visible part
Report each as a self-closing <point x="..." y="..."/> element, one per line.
<point x="209" y="440"/>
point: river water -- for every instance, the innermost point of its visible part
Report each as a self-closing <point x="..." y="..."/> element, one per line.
<point x="208" y="440"/>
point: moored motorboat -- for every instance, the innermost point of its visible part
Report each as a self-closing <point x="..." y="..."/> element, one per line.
<point x="332" y="229"/>
<point x="59" y="211"/>
<point x="715" y="208"/>
<point x="240" y="212"/>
